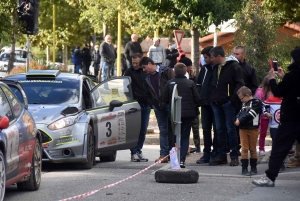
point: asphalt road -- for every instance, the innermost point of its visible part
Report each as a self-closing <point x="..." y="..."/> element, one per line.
<point x="217" y="183"/>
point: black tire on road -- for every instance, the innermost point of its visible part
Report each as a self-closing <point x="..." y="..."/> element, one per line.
<point x="34" y="181"/>
<point x="2" y="176"/>
<point x="183" y="176"/>
<point x="109" y="158"/>
<point x="90" y="149"/>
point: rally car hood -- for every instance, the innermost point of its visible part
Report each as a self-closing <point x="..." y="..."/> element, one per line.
<point x="46" y="114"/>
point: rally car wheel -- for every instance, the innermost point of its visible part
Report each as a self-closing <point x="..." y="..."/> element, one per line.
<point x="34" y="180"/>
<point x="110" y="158"/>
<point x="90" y="149"/>
<point x="2" y="176"/>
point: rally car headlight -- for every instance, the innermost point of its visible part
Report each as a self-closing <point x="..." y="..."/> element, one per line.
<point x="64" y="122"/>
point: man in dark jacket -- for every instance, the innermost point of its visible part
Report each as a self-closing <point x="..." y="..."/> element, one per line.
<point x="97" y="58"/>
<point x="171" y="55"/>
<point x="205" y="87"/>
<point x="86" y="59"/>
<point x="108" y="57"/>
<point x="189" y="107"/>
<point x="156" y="80"/>
<point x="289" y="127"/>
<point x="131" y="48"/>
<point x="76" y="59"/>
<point x="227" y="79"/>
<point x="139" y="88"/>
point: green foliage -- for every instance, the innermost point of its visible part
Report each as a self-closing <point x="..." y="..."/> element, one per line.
<point x="258" y="29"/>
<point x="288" y="9"/>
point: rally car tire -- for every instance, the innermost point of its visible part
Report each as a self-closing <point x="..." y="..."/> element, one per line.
<point x="110" y="158"/>
<point x="2" y="176"/>
<point x="183" y="176"/>
<point x="90" y="149"/>
<point x="34" y="181"/>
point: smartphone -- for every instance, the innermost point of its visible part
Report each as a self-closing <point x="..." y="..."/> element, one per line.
<point x="274" y="65"/>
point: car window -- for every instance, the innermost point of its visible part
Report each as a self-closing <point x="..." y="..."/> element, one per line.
<point x="116" y="89"/>
<point x="5" y="109"/>
<point x="14" y="101"/>
<point x="59" y="91"/>
<point x="4" y="57"/>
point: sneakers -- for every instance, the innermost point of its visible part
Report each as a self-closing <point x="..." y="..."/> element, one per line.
<point x="182" y="164"/>
<point x="204" y="159"/>
<point x="234" y="162"/>
<point x="135" y="158"/>
<point x="294" y="163"/>
<point x="163" y="161"/>
<point x="218" y="161"/>
<point x="264" y="181"/>
<point x="262" y="153"/>
<point x="141" y="157"/>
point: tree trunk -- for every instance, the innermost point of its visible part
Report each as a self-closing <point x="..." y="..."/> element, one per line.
<point x="105" y="30"/>
<point x="195" y="48"/>
<point x="65" y="55"/>
<point x="13" y="44"/>
<point x="47" y="55"/>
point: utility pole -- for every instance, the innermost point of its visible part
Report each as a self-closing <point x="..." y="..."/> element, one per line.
<point x="54" y="35"/>
<point x="119" y="40"/>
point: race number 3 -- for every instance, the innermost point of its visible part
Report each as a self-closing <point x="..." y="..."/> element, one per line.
<point x="108" y="126"/>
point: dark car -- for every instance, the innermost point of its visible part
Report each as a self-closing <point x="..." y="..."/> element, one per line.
<point x="80" y="119"/>
<point x="20" y="142"/>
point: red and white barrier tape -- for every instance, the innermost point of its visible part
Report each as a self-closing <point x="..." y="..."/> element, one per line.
<point x="118" y="182"/>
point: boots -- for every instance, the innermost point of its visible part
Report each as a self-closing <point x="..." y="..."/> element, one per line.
<point x="253" y="164"/>
<point x="245" y="171"/>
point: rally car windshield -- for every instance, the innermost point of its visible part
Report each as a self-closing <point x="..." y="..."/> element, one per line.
<point x="63" y="91"/>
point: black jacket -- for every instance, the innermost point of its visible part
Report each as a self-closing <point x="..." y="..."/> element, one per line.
<point x="132" y="48"/>
<point x="249" y="115"/>
<point x="289" y="89"/>
<point x="86" y="56"/>
<point x="171" y="57"/>
<point x="138" y="84"/>
<point x="107" y="52"/>
<point x="249" y="75"/>
<point x="165" y="74"/>
<point x="204" y="84"/>
<point x="227" y="79"/>
<point x="190" y="97"/>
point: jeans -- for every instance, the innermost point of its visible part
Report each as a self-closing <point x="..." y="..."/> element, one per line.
<point x="162" y="121"/>
<point x="263" y="128"/>
<point x="287" y="133"/>
<point x="77" y="67"/>
<point x="196" y="134"/>
<point x="186" y="125"/>
<point x="208" y="122"/>
<point x="225" y="118"/>
<point x="273" y="133"/>
<point x="248" y="141"/>
<point x="105" y="70"/>
<point x="145" y="115"/>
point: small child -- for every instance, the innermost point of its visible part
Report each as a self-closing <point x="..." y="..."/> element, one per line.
<point x="189" y="105"/>
<point x="248" y="121"/>
<point x="272" y="111"/>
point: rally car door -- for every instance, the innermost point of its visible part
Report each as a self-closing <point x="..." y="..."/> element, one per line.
<point x="118" y="115"/>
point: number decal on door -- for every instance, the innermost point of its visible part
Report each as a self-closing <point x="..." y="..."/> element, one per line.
<point x="108" y="126"/>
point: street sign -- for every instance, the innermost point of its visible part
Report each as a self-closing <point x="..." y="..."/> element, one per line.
<point x="178" y="36"/>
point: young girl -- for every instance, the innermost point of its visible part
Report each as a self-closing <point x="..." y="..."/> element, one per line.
<point x="263" y="92"/>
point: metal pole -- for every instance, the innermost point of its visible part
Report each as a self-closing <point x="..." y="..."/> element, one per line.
<point x="54" y="37"/>
<point x="28" y="54"/>
<point x="177" y="123"/>
<point x="119" y="40"/>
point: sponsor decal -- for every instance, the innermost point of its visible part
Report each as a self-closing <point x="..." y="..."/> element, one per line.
<point x="277" y="116"/>
<point x="29" y="124"/>
<point x="112" y="141"/>
<point x="108" y="117"/>
<point x="49" y="81"/>
<point x="102" y="143"/>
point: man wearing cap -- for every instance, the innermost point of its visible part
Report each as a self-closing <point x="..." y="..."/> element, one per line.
<point x="157" y="52"/>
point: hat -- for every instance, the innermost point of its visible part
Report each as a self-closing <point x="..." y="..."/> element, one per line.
<point x="186" y="60"/>
<point x="296" y="55"/>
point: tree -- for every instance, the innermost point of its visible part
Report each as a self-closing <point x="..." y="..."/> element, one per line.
<point x="288" y="9"/>
<point x="198" y="14"/>
<point x="258" y="28"/>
